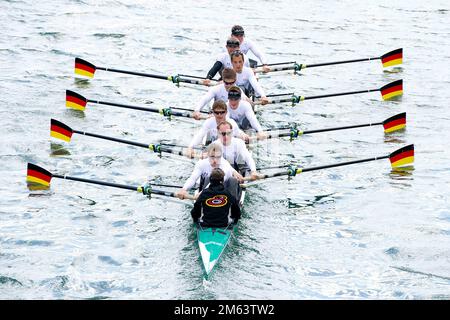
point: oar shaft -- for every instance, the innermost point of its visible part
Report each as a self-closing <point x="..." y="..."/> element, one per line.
<point x="342" y="128"/>
<point x="103" y="183"/>
<point x="344" y="163"/>
<point x="155" y="110"/>
<point x="142" y="74"/>
<point x="127" y="106"/>
<point x="337" y="62"/>
<point x="300" y="170"/>
<point x="120" y="186"/>
<point x="137" y="144"/>
<point x="339" y="94"/>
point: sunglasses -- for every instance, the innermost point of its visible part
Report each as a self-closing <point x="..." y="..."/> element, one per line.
<point x="227" y="133"/>
<point x="219" y="112"/>
<point x="229" y="83"/>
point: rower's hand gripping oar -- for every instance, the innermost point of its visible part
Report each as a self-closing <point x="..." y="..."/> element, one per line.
<point x="389" y="59"/>
<point x="63" y="132"/>
<point x="388" y="92"/>
<point x="87" y="69"/>
<point x="78" y="102"/>
<point x="402" y="157"/>
<point x="38" y="176"/>
<point x="391" y="124"/>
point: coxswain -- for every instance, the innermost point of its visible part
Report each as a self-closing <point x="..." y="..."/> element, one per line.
<point x="216" y="207"/>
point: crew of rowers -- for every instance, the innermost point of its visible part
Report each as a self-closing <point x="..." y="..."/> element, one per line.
<point x="227" y="162"/>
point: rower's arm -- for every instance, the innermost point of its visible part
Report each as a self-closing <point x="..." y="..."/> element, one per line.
<point x="255" y="84"/>
<point x="213" y="71"/>
<point x="258" y="53"/>
<point x="190" y="182"/>
<point x="205" y="100"/>
<point x="198" y="138"/>
<point x="251" y="117"/>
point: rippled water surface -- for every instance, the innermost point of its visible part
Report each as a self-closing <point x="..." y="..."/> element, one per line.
<point x="355" y="232"/>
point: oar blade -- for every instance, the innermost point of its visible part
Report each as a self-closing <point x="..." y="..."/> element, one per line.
<point x="391" y="90"/>
<point x="37" y="176"/>
<point x="75" y="101"/>
<point x="395" y="123"/>
<point x="84" y="68"/>
<point x="392" y="58"/>
<point x="402" y="157"/>
<point x="60" y="131"/>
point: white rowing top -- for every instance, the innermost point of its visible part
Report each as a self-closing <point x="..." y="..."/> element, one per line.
<point x="203" y="169"/>
<point x="247" y="78"/>
<point x="225" y="59"/>
<point x="248" y="45"/>
<point x="217" y="92"/>
<point x="236" y="153"/>
<point x="244" y="111"/>
<point x="210" y="127"/>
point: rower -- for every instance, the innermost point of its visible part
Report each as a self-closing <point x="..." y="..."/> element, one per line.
<point x="235" y="151"/>
<point x="209" y="128"/>
<point x="248" y="45"/>
<point x="216" y="206"/>
<point x="218" y="92"/>
<point x="203" y="168"/>
<point x="245" y="78"/>
<point x="224" y="60"/>
<point x="242" y="112"/>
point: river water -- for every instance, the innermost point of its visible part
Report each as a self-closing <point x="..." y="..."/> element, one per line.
<point x="354" y="232"/>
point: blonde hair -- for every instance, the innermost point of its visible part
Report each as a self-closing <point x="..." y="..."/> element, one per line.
<point x="214" y="147"/>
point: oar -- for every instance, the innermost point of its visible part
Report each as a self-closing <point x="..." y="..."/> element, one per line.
<point x="41" y="177"/>
<point x="391" y="124"/>
<point x="78" y="102"/>
<point x="388" y="91"/>
<point x="389" y="59"/>
<point x="399" y="158"/>
<point x="87" y="69"/>
<point x="62" y="131"/>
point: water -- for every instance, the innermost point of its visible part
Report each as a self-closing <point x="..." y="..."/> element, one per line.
<point x="355" y="232"/>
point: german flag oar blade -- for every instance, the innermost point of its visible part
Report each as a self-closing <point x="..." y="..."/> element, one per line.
<point x="402" y="157"/>
<point x="394" y="123"/>
<point x="75" y="101"/>
<point x="392" y="58"/>
<point x="84" y="68"/>
<point x="38" y="176"/>
<point x="59" y="130"/>
<point x="392" y="90"/>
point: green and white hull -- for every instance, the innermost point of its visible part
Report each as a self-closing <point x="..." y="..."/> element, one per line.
<point x="212" y="243"/>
